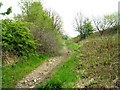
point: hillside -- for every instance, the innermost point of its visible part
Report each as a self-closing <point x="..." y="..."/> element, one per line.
<point x="37" y="51"/>
<point x="99" y="60"/>
<point x="94" y="63"/>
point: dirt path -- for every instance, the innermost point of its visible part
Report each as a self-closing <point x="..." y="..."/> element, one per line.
<point x="39" y="74"/>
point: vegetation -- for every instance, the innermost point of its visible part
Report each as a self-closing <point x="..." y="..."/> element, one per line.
<point x="28" y="40"/>
<point x="98" y="64"/>
<point x="12" y="73"/>
<point x="40" y="32"/>
<point x="65" y="76"/>
<point x="16" y="38"/>
<point x="44" y="25"/>
<point x="105" y="22"/>
<point x="33" y="36"/>
<point x="7" y="12"/>
<point x="83" y="25"/>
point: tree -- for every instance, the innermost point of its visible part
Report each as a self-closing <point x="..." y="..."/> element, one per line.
<point x="99" y="24"/>
<point x="44" y="26"/>
<point x="57" y="23"/>
<point x="83" y="25"/>
<point x="88" y="28"/>
<point x="112" y="19"/>
<point x="65" y="37"/>
<point x="8" y="11"/>
<point x="105" y="22"/>
<point x="31" y="10"/>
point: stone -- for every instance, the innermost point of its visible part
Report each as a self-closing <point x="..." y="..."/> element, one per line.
<point x="35" y="80"/>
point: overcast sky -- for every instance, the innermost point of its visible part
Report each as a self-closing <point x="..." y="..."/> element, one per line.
<point x="67" y="9"/>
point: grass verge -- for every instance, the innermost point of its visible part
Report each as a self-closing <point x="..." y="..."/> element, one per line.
<point x="15" y="72"/>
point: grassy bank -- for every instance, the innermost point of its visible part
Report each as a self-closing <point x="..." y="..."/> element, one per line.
<point x="94" y="63"/>
<point x="15" y="72"/>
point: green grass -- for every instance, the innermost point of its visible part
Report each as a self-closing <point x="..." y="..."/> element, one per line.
<point x="94" y="57"/>
<point x="15" y="72"/>
<point x="64" y="76"/>
<point x="73" y="46"/>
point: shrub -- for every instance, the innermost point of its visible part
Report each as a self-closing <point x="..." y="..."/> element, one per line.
<point x="83" y="26"/>
<point x="16" y="37"/>
<point x="44" y="25"/>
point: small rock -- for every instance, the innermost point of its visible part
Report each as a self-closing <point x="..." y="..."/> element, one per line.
<point x="35" y="80"/>
<point x="39" y="78"/>
<point x="32" y="87"/>
<point x="25" y="81"/>
<point x="30" y="83"/>
<point x="50" y="62"/>
<point x="22" y="82"/>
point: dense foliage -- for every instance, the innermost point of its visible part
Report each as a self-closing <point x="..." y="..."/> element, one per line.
<point x="16" y="37"/>
<point x="44" y="26"/>
<point x="35" y="30"/>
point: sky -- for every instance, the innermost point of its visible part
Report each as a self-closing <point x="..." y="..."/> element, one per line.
<point x="67" y="9"/>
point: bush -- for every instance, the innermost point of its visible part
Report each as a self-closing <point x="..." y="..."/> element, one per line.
<point x="83" y="26"/>
<point x="44" y="25"/>
<point x="16" y="37"/>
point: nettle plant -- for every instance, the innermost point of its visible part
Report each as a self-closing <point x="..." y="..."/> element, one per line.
<point x="16" y="37"/>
